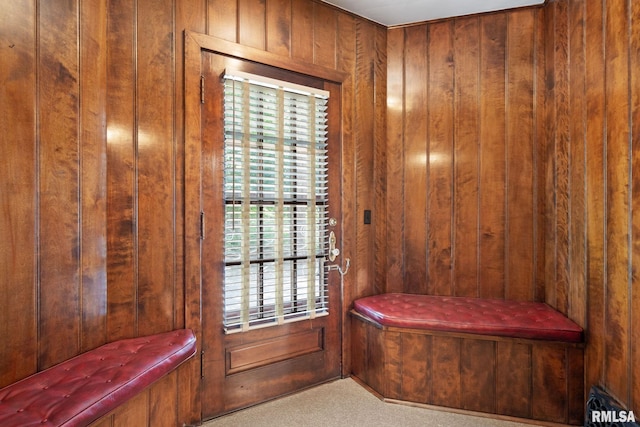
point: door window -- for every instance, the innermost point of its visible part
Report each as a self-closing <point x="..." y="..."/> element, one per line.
<point x="276" y="202"/>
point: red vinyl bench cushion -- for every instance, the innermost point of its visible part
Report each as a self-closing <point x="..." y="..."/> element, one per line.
<point x="80" y="390"/>
<point x="516" y="319"/>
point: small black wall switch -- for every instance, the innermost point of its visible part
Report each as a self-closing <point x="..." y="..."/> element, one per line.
<point x="367" y="216"/>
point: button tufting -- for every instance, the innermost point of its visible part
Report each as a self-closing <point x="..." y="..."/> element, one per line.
<point x="522" y="319"/>
<point x="83" y="379"/>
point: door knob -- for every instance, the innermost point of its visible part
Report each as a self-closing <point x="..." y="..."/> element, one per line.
<point x="333" y="251"/>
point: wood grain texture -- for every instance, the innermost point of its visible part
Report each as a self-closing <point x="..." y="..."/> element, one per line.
<point x="559" y="145"/>
<point x="93" y="148"/>
<point x="302" y="23"/>
<point x="415" y="153"/>
<point x="416" y="352"/>
<point x="464" y="120"/>
<point x="100" y="209"/>
<point x="520" y="156"/>
<point x="595" y="83"/>
<point x="549" y="383"/>
<point x="634" y="46"/>
<point x="549" y="161"/>
<point x="156" y="168"/>
<point x="28" y="95"/>
<point x="364" y="155"/>
<point x="577" y="154"/>
<point x="617" y="314"/>
<point x="446" y="371"/>
<point x="278" y="26"/>
<point x="439" y="158"/>
<point x="466" y="156"/>
<point x="59" y="184"/>
<point x="394" y="239"/>
<point x="324" y="35"/>
<point x="478" y="365"/>
<point x="513" y="379"/>
<point x="379" y="221"/>
<point x="251" y="23"/>
<point x="121" y="173"/>
<point x="346" y="59"/>
<point x="222" y="19"/>
<point x="18" y="192"/>
<point x="492" y="156"/>
<point x="595" y="256"/>
<point x="534" y="379"/>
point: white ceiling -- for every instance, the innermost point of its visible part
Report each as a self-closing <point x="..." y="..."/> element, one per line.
<point x="398" y="12"/>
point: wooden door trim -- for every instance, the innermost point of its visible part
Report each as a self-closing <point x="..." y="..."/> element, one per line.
<point x="195" y="44"/>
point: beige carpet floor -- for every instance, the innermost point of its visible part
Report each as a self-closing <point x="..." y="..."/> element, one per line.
<point x="345" y="403"/>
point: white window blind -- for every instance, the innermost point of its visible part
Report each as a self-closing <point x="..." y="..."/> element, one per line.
<point x="276" y="200"/>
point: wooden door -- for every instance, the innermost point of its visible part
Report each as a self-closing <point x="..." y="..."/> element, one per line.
<point x="244" y="368"/>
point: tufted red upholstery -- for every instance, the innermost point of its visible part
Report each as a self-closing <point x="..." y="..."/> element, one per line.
<point x="516" y="319"/>
<point x="82" y="389"/>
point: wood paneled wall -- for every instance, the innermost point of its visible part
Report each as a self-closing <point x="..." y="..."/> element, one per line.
<point x="53" y="263"/>
<point x="92" y="159"/>
<point x="593" y="194"/>
<point x="463" y="157"/>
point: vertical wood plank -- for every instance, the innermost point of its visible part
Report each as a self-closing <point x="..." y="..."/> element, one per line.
<point x="617" y="313"/>
<point x="634" y="46"/>
<point x="279" y="26"/>
<point x="395" y="161"/>
<point x="466" y="156"/>
<point x="492" y="155"/>
<point x="544" y="403"/>
<point x="59" y="228"/>
<point x="18" y="191"/>
<point x="324" y="35"/>
<point x="549" y="138"/>
<point x="578" y="150"/>
<point x="478" y="375"/>
<point x="416" y="368"/>
<point x="121" y="172"/>
<point x="439" y="157"/>
<point x="163" y="404"/>
<point x="513" y="379"/>
<point x="595" y="183"/>
<point x="156" y="167"/>
<point x="251" y="23"/>
<point x="93" y="84"/>
<point x="560" y="276"/>
<point x="446" y="371"/>
<point x="134" y="413"/>
<point x="520" y="156"/>
<point x="302" y="30"/>
<point x="379" y="220"/>
<point x="393" y="367"/>
<point x="222" y="19"/>
<point x="364" y="152"/>
<point x="376" y="359"/>
<point x="541" y="125"/>
<point x="359" y="349"/>
<point x="416" y="157"/>
<point x="575" y="386"/>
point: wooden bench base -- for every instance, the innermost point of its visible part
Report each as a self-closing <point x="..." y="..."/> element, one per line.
<point x="533" y="379"/>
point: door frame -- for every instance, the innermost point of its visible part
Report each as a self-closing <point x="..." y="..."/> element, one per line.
<point x="195" y="44"/>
